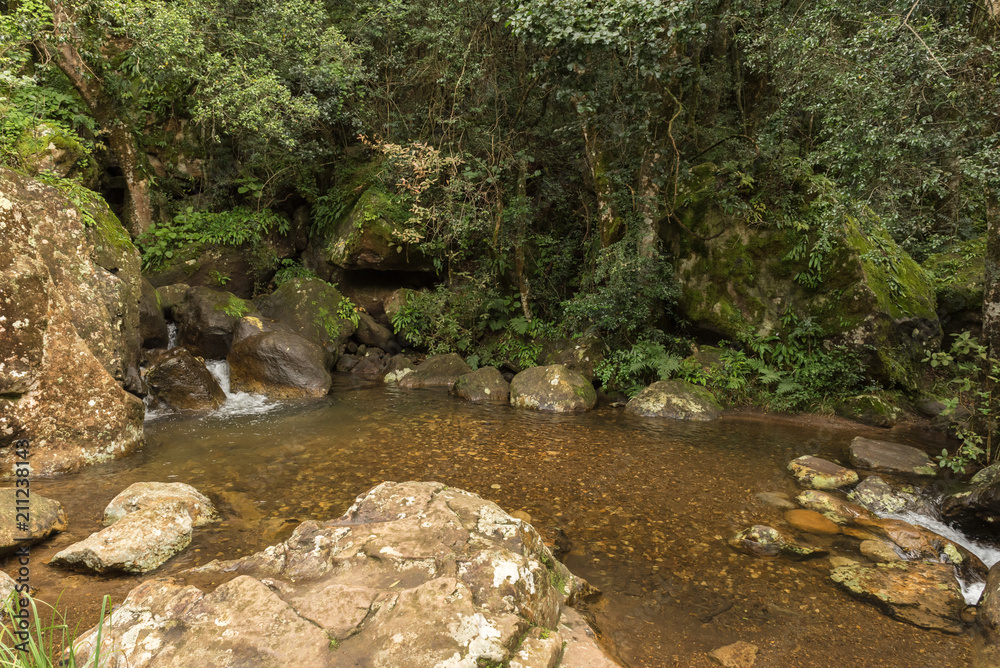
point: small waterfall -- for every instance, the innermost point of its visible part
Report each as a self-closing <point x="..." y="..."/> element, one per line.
<point x="988" y="554"/>
<point x="237" y="403"/>
<point x="171" y="335"/>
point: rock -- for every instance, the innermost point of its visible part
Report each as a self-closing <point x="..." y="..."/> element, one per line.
<point x="763" y="541"/>
<point x="876" y="410"/>
<point x="396" y="301"/>
<point x="229" y="268"/>
<point x="49" y="148"/>
<point x="312" y="308"/>
<point x="397" y="367"/>
<point x="346" y="363"/>
<point x="7" y="587"/>
<point x="521" y="515"/>
<point x="171" y="297"/>
<point x="371" y="333"/>
<point x="372" y="365"/>
<point x="552" y="388"/>
<point x="916" y="542"/>
<point x="921" y="593"/>
<point x="279" y="365"/>
<point x="977" y="507"/>
<point x="141" y="495"/>
<point x="821" y="474"/>
<point x="368" y="237"/>
<point x="959" y="284"/>
<point x="887" y="457"/>
<point x="879" y="551"/>
<point x="581" y="649"/>
<point x="837" y="562"/>
<point x="69" y="322"/>
<point x="183" y="382"/>
<point x="880" y="303"/>
<point x="436" y="371"/>
<point x="483" y="386"/>
<point x="776" y="499"/>
<point x="989" y="612"/>
<point x="811" y="522"/>
<point x="206" y="319"/>
<point x="139" y="542"/>
<point x="152" y="324"/>
<point x="877" y="495"/>
<point x="459" y="579"/>
<point x="738" y="655"/>
<point x="253" y="325"/>
<point x="833" y="507"/>
<point x="676" y="399"/>
<point x="45" y="517"/>
<point x="581" y="354"/>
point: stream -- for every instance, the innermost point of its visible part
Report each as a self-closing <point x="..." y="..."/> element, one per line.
<point x="642" y="509"/>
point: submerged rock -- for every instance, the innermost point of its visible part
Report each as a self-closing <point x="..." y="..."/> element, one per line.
<point x="888" y="457"/>
<point x="880" y="551"/>
<point x="414" y="575"/>
<point x="279" y="365"/>
<point x="764" y="541"/>
<point x="921" y="593"/>
<point x="810" y="521"/>
<point x="182" y="381"/>
<point x="45" y="517"/>
<point x="737" y="655"/>
<point x="833" y="507"/>
<point x="483" y="386"/>
<point x="675" y="399"/>
<point x="140" y="495"/>
<point x="436" y="371"/>
<point x="139" y="542"/>
<point x="552" y="388"/>
<point x="821" y="474"/>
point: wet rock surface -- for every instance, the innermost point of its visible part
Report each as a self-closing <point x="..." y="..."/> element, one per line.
<point x="152" y="323"/>
<point x="279" y="365"/>
<point x="977" y="507"/>
<point x="312" y="308"/>
<point x="181" y="380"/>
<point x="46" y="517"/>
<point x="888" y="457"/>
<point x="375" y="586"/>
<point x="552" y="388"/>
<point x="440" y="371"/>
<point x="206" y="319"/>
<point x="879" y="496"/>
<point x="765" y="541"/>
<point x="675" y="399"/>
<point x="142" y="495"/>
<point x="819" y="473"/>
<point x="483" y="386"/>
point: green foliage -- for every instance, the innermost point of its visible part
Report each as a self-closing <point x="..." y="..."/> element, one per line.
<point x="346" y="310"/>
<point x="290" y="270"/>
<point x="974" y="385"/>
<point x="44" y="644"/>
<point x="234" y="307"/>
<point x="228" y="228"/>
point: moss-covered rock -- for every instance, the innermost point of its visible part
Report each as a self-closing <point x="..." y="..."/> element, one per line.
<point x="552" y="388"/>
<point x="877" y="410"/>
<point x="242" y="270"/>
<point x="873" y="297"/>
<point x="51" y="149"/>
<point x="314" y="309"/>
<point x="676" y="399"/>
<point x="958" y="283"/>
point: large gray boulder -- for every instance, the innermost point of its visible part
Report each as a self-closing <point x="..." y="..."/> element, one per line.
<point x="45" y="517"/>
<point x="181" y="381"/>
<point x="552" y="388"/>
<point x="372" y="333"/>
<point x="437" y="371"/>
<point x="69" y="330"/>
<point x="413" y="575"/>
<point x="889" y="457"/>
<point x="977" y="506"/>
<point x="675" y="399"/>
<point x="485" y="385"/>
<point x="279" y="365"/>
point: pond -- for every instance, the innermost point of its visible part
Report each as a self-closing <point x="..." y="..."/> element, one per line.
<point x="641" y="508"/>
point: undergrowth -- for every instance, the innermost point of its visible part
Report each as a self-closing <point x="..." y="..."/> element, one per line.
<point x="28" y="641"/>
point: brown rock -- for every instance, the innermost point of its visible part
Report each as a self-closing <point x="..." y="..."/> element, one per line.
<point x="879" y="551"/>
<point x="738" y="655"/>
<point x="182" y="381"/>
<point x="821" y="474"/>
<point x="811" y="522"/>
<point x="888" y="457"/>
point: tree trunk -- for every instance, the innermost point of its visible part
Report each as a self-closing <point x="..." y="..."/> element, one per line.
<point x="608" y="220"/>
<point x="991" y="294"/>
<point x="522" y="233"/>
<point x="138" y="212"/>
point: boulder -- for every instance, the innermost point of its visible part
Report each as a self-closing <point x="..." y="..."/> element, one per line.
<point x="740" y="279"/>
<point x="880" y="497"/>
<point x="52" y="149"/>
<point x="764" y="541"/>
<point x="398" y="367"/>
<point x="45" y="517"/>
<point x="413" y="575"/>
<point x="917" y="542"/>
<point x="959" y="286"/>
<point x="229" y="268"/>
<point x="69" y="330"/>
<point x="252" y="325"/>
<point x="152" y="324"/>
<point x="206" y="319"/>
<point x="676" y="399"/>
<point x="819" y="473"/>
<point x="483" y="386"/>
<point x="921" y="593"/>
<point x="976" y="508"/>
<point x="141" y="495"/>
<point x="988" y="618"/>
<point x="346" y="363"/>
<point x="183" y="382"/>
<point x="171" y="297"/>
<point x="833" y="507"/>
<point x="313" y="309"/>
<point x="371" y="333"/>
<point x="581" y="354"/>
<point x="279" y="365"/>
<point x="139" y="542"/>
<point x="436" y="371"/>
<point x="371" y="365"/>
<point x="552" y="388"/>
<point x="888" y="457"/>
<point x="876" y="410"/>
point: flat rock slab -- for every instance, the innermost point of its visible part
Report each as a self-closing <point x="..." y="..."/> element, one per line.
<point x="137" y="543"/>
<point x="676" y="399"/>
<point x="810" y="521"/>
<point x="888" y="457"/>
<point x="921" y="593"/>
<point x="142" y="495"/>
<point x="45" y="517"/>
<point x="821" y="474"/>
<point x="414" y="575"/>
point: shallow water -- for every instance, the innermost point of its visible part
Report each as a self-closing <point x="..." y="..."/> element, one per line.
<point x="643" y="507"/>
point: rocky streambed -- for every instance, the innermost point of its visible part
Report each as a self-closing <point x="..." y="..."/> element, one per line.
<point x="641" y="509"/>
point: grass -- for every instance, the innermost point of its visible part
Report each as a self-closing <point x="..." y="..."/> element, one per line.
<point x="26" y="641"/>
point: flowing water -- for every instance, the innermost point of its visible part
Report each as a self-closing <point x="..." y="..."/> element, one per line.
<point x="643" y="509"/>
